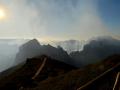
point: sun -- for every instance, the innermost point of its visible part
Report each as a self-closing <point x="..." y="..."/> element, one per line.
<point x="2" y="14"/>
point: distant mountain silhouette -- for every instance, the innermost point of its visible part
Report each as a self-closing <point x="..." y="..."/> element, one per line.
<point x="92" y="52"/>
<point x="96" y="50"/>
<point x="28" y="50"/>
<point x="33" y="48"/>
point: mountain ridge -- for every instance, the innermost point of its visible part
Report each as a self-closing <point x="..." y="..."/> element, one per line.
<point x="55" y="74"/>
<point x="96" y="50"/>
<point x="33" y="48"/>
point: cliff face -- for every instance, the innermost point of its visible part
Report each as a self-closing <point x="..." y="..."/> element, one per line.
<point x="33" y="48"/>
<point x="27" y="50"/>
<point x="96" y="50"/>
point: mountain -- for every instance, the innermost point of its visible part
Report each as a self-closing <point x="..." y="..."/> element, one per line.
<point x="23" y="75"/>
<point x="71" y="45"/>
<point x="33" y="48"/>
<point x="96" y="50"/>
<point x="56" y="75"/>
<point x="27" y="50"/>
<point x="109" y="79"/>
<point x="75" y="79"/>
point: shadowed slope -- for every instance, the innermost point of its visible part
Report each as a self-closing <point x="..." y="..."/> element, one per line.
<point x="77" y="78"/>
<point x="23" y="76"/>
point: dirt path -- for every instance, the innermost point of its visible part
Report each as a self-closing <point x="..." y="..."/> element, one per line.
<point x="116" y="81"/>
<point x="37" y="73"/>
<point x="40" y="69"/>
<point x="90" y="82"/>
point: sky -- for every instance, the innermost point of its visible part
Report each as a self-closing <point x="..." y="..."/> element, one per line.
<point x="60" y="19"/>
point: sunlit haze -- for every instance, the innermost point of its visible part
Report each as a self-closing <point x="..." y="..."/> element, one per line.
<point x="59" y="20"/>
<point x="3" y="13"/>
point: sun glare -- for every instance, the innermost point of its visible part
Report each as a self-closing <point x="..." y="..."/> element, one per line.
<point x="2" y="14"/>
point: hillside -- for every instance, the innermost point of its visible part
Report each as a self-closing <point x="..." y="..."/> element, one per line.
<point x="23" y="75"/>
<point x="77" y="78"/>
<point x="57" y="75"/>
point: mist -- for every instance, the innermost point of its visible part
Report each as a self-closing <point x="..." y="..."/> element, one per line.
<point x="53" y="20"/>
<point x="8" y="50"/>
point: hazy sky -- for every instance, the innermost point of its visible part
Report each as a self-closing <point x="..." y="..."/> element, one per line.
<point x="60" y="19"/>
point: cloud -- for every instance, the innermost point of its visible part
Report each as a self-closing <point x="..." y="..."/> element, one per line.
<point x="61" y="19"/>
<point x="88" y="23"/>
<point x="23" y="20"/>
